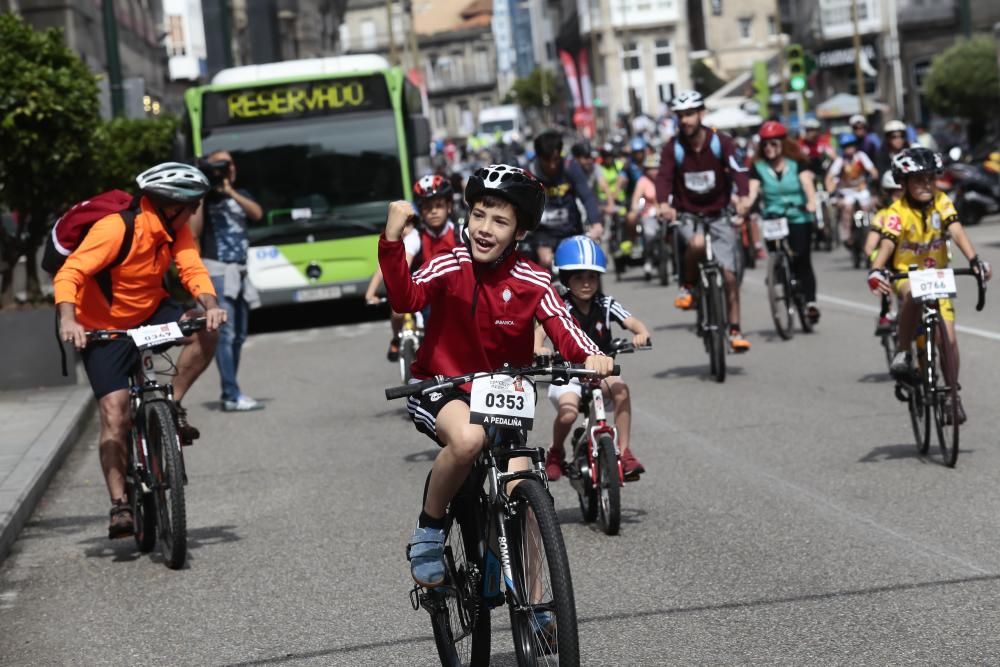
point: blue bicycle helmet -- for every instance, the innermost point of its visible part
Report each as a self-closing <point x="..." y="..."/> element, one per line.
<point x="637" y="144"/>
<point x="580" y="253"/>
<point x="847" y="139"/>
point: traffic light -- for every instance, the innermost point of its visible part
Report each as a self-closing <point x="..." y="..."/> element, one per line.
<point x="796" y="59"/>
<point x="761" y="88"/>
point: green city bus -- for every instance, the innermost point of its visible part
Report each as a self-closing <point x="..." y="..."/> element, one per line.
<point x="323" y="144"/>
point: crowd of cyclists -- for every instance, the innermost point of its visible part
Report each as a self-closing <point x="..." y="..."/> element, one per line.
<point x="477" y="257"/>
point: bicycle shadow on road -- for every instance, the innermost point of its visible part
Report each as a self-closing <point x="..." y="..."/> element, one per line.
<point x="699" y="371"/>
<point x="60" y="525"/>
<point x="893" y="453"/>
<point x="571" y="515"/>
<point x="125" y="551"/>
<point x="426" y="456"/>
<point x="675" y="326"/>
<point x="870" y="378"/>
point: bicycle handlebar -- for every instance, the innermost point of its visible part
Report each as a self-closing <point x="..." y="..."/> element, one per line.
<point x="980" y="284"/>
<point x="443" y="382"/>
<point x="187" y="327"/>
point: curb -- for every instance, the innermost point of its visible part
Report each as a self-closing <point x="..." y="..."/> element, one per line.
<point x="29" y="480"/>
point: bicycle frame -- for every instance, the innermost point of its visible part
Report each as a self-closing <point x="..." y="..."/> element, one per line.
<point x="141" y="385"/>
<point x="595" y="425"/>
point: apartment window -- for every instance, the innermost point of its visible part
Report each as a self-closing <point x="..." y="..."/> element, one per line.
<point x="368" y="34"/>
<point x="630" y="57"/>
<point x="175" y="29"/>
<point x="397" y="27"/>
<point x="745" y="25"/>
<point x="716" y="7"/>
<point x="345" y="37"/>
<point x="663" y="53"/>
<point x="666" y="92"/>
<point x="772" y="26"/>
<point x="481" y="64"/>
<point x="440" y="119"/>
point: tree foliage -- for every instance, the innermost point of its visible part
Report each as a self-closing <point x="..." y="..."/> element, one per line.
<point x="964" y="80"/>
<point x="127" y="146"/>
<point x="530" y="91"/>
<point x="48" y="114"/>
<point x="704" y="79"/>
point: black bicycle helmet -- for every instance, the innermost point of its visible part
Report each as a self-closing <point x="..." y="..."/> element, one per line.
<point x="917" y="160"/>
<point x="519" y="187"/>
<point x="582" y="149"/>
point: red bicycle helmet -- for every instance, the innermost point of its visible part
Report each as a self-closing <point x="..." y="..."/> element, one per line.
<point x="432" y="185"/>
<point x="772" y="129"/>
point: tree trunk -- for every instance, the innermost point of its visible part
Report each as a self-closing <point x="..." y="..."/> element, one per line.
<point x="37" y="229"/>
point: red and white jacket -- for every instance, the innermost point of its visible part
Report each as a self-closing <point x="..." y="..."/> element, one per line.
<point x="481" y="317"/>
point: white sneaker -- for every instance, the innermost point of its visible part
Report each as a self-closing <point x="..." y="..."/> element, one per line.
<point x="242" y="404"/>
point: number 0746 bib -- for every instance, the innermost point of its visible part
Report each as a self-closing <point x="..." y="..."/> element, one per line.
<point x="502" y="400"/>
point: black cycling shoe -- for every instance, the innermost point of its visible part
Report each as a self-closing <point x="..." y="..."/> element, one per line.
<point x="188" y="434"/>
<point x="393" y="354"/>
<point x="947" y="411"/>
<point x="122" y="524"/>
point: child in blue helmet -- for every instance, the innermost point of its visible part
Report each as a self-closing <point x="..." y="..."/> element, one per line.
<point x="580" y="263"/>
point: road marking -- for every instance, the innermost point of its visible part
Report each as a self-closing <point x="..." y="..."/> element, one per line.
<point x="750" y="470"/>
<point x="873" y="310"/>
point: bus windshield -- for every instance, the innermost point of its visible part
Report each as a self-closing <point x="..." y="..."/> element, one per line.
<point x="330" y="171"/>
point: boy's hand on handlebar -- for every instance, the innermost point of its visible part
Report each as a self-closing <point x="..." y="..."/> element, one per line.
<point x="982" y="267"/>
<point x="640" y="339"/>
<point x="600" y="364"/>
<point x="878" y="282"/>
<point x="400" y="212"/>
<point x="543" y="351"/>
<point x="667" y="212"/>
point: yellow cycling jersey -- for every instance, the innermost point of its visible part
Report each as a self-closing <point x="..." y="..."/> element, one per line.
<point x="876" y="223"/>
<point x="919" y="234"/>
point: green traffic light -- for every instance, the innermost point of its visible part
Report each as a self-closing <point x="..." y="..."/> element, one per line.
<point x="797" y="83"/>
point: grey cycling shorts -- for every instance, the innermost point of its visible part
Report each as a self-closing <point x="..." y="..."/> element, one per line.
<point x="725" y="240"/>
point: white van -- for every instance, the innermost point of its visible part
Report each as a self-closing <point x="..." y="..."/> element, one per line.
<point x="508" y="119"/>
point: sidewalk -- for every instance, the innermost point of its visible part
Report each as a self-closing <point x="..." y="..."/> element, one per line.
<point x="37" y="429"/>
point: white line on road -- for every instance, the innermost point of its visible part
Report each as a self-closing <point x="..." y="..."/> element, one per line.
<point x="873" y="310"/>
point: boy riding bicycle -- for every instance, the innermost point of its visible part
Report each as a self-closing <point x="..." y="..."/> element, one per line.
<point x="580" y="263"/>
<point x="848" y="177"/>
<point x="485" y="298"/>
<point x="434" y="234"/>
<point x="915" y="232"/>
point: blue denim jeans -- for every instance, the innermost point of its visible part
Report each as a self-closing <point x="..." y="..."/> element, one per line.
<point x="232" y="335"/>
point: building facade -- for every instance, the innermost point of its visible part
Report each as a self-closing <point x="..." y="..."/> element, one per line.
<point x="729" y="36"/>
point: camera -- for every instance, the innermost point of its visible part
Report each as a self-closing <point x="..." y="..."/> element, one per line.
<point x="216" y="171"/>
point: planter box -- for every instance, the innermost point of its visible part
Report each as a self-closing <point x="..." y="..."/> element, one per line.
<point x="29" y="350"/>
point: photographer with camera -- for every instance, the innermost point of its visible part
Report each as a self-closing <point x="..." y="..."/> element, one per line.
<point x="221" y="226"/>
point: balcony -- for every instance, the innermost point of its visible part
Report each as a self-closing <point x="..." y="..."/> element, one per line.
<point x="920" y="14"/>
<point x="455" y="78"/>
<point x="627" y="13"/>
<point x="836" y="22"/>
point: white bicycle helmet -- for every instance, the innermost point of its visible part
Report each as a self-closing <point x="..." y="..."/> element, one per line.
<point x="894" y="126"/>
<point x="175" y="182"/>
<point x="687" y="100"/>
<point x="889" y="182"/>
<point x="811" y="124"/>
<point x="857" y="119"/>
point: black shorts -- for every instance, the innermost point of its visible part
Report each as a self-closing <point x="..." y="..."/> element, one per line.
<point x="109" y="363"/>
<point x="424" y="409"/>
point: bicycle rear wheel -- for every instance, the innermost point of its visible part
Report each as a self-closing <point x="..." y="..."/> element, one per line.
<point x="779" y="295"/>
<point x="717" y="328"/>
<point x="609" y="486"/>
<point x="542" y="607"/>
<point x="586" y="492"/>
<point x="945" y="404"/>
<point x="167" y="473"/>
<point x="459" y="617"/>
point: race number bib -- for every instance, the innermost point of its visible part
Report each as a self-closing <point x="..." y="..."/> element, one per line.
<point x="502" y="400"/>
<point x="555" y="217"/>
<point x="933" y="284"/>
<point x="775" y="229"/>
<point x="155" y="334"/>
<point x="699" y="182"/>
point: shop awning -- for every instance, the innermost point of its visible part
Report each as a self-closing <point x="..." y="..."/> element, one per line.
<point x="842" y="105"/>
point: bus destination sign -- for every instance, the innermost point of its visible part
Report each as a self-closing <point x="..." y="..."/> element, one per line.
<point x="295" y="100"/>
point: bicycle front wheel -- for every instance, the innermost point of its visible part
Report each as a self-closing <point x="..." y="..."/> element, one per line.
<point x="609" y="486"/>
<point x="167" y="473"/>
<point x="779" y="295"/>
<point x="717" y="329"/>
<point x="663" y="268"/>
<point x="946" y="405"/>
<point x="406" y="356"/>
<point x="542" y="608"/>
<point x="143" y="505"/>
<point x="459" y="616"/>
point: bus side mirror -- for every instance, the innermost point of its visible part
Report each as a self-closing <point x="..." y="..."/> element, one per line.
<point x="421" y="135"/>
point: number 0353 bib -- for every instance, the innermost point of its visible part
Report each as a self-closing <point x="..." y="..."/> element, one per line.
<point x="502" y="400"/>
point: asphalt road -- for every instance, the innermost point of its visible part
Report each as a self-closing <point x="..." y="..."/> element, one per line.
<point x="785" y="517"/>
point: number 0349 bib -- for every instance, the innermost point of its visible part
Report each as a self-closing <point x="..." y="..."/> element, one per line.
<point x="502" y="400"/>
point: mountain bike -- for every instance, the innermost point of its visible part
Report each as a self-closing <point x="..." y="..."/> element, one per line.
<point x="713" y="321"/>
<point x="155" y="476"/>
<point x="502" y="527"/>
<point x="931" y="389"/>
<point x="784" y="294"/>
<point x="595" y="470"/>
<point x="859" y="229"/>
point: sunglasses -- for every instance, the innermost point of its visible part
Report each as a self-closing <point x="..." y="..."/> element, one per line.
<point x="772" y="143"/>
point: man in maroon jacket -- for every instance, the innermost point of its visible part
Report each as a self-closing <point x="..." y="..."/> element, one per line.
<point x="698" y="174"/>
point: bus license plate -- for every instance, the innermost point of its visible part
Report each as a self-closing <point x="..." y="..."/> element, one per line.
<point x="319" y="293"/>
<point x="502" y="400"/>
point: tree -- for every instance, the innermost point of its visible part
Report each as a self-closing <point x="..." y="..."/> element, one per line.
<point x="48" y="114"/>
<point x="704" y="79"/>
<point x="530" y="91"/>
<point x="125" y="147"/>
<point x="964" y="81"/>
